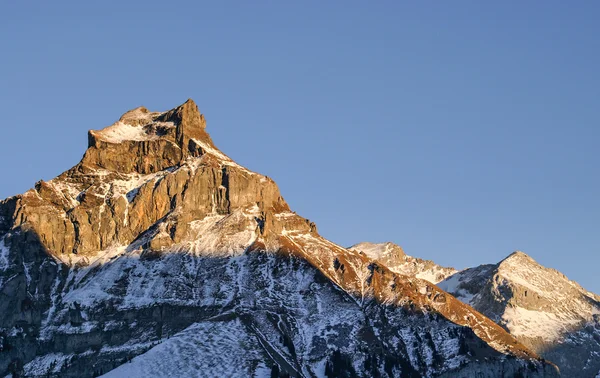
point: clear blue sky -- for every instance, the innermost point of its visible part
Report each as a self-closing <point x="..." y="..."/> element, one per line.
<point x="459" y="130"/>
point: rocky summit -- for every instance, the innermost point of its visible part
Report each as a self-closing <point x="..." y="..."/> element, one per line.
<point x="157" y="255"/>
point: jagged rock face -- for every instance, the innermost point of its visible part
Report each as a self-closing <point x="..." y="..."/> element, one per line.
<point x="393" y="257"/>
<point x="147" y="142"/>
<point x="124" y="186"/>
<point x="541" y="307"/>
<point x="159" y="246"/>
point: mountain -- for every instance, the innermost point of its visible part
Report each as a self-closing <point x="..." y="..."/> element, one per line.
<point x="157" y="255"/>
<point x="540" y="307"/>
<point x="394" y="258"/>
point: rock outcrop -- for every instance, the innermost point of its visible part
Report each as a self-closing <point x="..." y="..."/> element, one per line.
<point x="157" y="234"/>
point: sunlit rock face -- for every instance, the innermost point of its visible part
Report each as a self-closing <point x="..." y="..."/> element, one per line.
<point x="393" y="257"/>
<point x="158" y="255"/>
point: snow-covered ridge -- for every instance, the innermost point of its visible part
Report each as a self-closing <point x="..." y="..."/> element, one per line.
<point x="392" y="256"/>
<point x="540" y="295"/>
<point x="136" y="125"/>
<point x="133" y="125"/>
<point x="540" y="306"/>
<point x="549" y="326"/>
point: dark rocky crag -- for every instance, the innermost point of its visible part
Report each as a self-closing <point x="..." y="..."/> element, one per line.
<point x="156" y="231"/>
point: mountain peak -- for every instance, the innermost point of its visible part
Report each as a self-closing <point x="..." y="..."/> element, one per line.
<point x="186" y="114"/>
<point x="540" y="306"/>
<point x="517" y="258"/>
<point x="157" y="224"/>
<point x="145" y="142"/>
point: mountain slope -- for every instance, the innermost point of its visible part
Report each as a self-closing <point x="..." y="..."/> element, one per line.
<point x="393" y="257"/>
<point x="156" y="240"/>
<point x="541" y="307"/>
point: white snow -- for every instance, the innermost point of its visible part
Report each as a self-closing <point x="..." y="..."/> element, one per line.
<point x="397" y="261"/>
<point x="4" y="262"/>
<point x="224" y="159"/>
<point x="125" y="185"/>
<point x="87" y="293"/>
<point x="375" y="250"/>
<point x="49" y="363"/>
<point x="53" y="298"/>
<point x="26" y="270"/>
<point x="433" y="275"/>
<point x="122" y="131"/>
<point x="129" y="185"/>
<point x="213" y="236"/>
<point x="210" y="349"/>
<point x="528" y="323"/>
<point x="452" y="285"/>
<point x="69" y="192"/>
<point x="219" y="235"/>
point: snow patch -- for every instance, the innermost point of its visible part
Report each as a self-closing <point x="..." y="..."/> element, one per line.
<point x="4" y="251"/>
<point x="122" y="131"/>
<point x="529" y="323"/>
<point x="47" y="365"/>
<point x="397" y="261"/>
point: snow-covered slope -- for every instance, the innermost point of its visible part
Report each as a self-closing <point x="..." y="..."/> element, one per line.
<point x="212" y="349"/>
<point x="393" y="257"/>
<point x="541" y="307"/>
<point x="157" y="253"/>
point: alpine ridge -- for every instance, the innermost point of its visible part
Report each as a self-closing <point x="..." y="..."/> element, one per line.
<point x="393" y="257"/>
<point x="541" y="307"/>
<point x="159" y="255"/>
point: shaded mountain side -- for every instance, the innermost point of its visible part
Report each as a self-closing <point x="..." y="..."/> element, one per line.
<point x="103" y="321"/>
<point x="156" y="231"/>
<point x="539" y="306"/>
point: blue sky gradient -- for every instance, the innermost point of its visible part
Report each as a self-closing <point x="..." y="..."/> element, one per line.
<point x="460" y="131"/>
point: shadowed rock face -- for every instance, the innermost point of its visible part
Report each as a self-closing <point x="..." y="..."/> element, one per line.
<point x="156" y="233"/>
